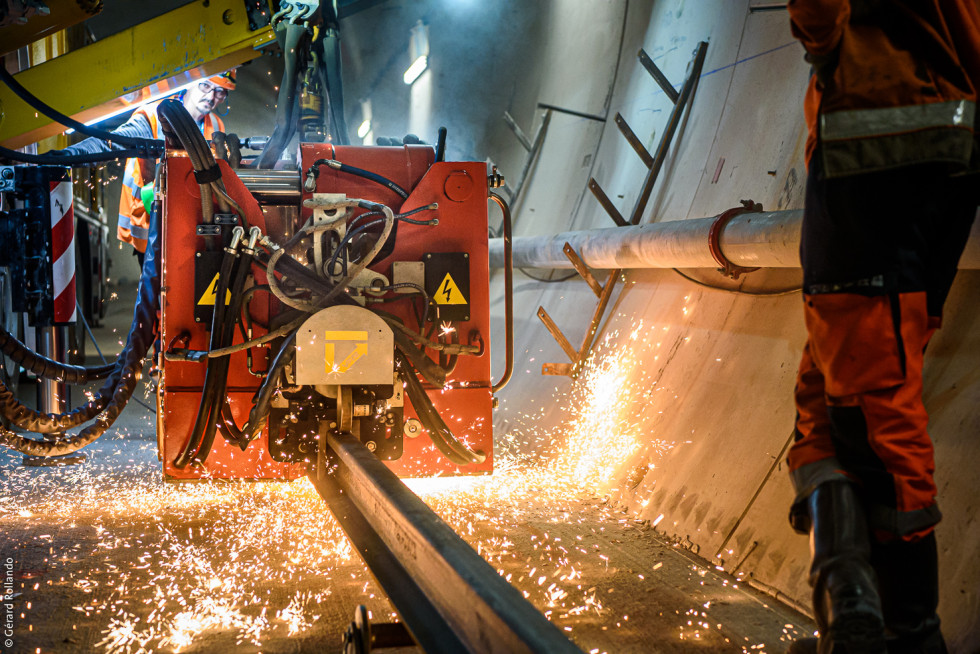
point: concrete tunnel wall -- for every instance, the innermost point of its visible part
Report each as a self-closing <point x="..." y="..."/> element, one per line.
<point x="706" y="376"/>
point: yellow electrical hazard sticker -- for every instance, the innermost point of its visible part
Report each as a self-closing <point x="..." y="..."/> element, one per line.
<point x="330" y="349"/>
<point x="211" y="294"/>
<point x="448" y="292"/>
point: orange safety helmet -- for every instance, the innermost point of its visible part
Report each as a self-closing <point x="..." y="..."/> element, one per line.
<point x="225" y="80"/>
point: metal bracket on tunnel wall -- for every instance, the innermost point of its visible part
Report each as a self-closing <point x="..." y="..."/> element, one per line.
<point x="604" y="293"/>
<point x="653" y="163"/>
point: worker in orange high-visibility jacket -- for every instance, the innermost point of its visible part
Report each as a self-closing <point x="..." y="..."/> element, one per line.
<point x="891" y="196"/>
<point x="200" y="100"/>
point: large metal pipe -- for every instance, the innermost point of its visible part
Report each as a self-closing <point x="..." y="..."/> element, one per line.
<point x="767" y="240"/>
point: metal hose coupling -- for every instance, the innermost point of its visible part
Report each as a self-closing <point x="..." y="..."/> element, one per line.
<point x="236" y="239"/>
<point x="253" y="237"/>
<point x="310" y="184"/>
<point x="268" y="243"/>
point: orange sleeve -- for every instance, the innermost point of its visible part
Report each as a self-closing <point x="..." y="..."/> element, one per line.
<point x="819" y="24"/>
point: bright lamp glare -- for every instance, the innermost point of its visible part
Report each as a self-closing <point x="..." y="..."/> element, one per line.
<point x="363" y="130"/>
<point x="417" y="68"/>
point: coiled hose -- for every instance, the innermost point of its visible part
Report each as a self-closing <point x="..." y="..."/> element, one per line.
<point x="47" y="368"/>
<point x="121" y="383"/>
<point x="27" y="418"/>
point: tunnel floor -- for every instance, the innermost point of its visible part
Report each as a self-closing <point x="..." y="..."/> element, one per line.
<point x="109" y="558"/>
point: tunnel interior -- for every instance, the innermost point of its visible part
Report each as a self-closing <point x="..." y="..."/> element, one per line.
<point x="641" y="502"/>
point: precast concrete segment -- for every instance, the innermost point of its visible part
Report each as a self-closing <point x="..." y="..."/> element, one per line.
<point x="766" y="240"/>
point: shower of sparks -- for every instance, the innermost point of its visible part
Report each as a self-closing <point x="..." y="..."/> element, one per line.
<point x="173" y="564"/>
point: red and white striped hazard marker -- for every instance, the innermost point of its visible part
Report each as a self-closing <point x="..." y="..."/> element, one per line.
<point x="63" y="252"/>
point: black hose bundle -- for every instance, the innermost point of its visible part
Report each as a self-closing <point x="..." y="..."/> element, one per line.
<point x="215" y="375"/>
<point x="442" y="437"/>
<point x="288" y="96"/>
<point x="258" y="417"/>
<point x="121" y="383"/>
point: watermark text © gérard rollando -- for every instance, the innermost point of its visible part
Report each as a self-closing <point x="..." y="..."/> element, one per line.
<point x="7" y="592"/>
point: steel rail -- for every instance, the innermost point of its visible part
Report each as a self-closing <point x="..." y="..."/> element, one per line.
<point x="450" y="599"/>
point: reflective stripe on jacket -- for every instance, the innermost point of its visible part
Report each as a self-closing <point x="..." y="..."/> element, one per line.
<point x="134" y="223"/>
<point x="892" y="86"/>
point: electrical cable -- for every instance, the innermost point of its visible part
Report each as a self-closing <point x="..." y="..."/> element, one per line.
<point x="430" y="370"/>
<point x="88" y="330"/>
<point x="302" y="305"/>
<point x="367" y="260"/>
<point x="68" y="160"/>
<point x="28" y="419"/>
<point x="448" y="348"/>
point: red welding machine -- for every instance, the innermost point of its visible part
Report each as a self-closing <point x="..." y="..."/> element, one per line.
<point x="349" y="295"/>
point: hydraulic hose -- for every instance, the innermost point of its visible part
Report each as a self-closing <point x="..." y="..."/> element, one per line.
<point x="205" y="420"/>
<point x="287" y="100"/>
<point x="122" y="382"/>
<point x="69" y="160"/>
<point x="430" y="370"/>
<point x="143" y="147"/>
<point x="221" y="408"/>
<point x="442" y="437"/>
<point x="47" y="368"/>
<point x="258" y="417"/>
<point x="314" y="171"/>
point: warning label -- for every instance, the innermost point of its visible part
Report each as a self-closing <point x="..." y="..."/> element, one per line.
<point x="449" y="292"/>
<point x="210" y="294"/>
<point x="447" y="281"/>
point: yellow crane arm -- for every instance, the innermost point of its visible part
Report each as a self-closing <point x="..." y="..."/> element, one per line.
<point x="194" y="41"/>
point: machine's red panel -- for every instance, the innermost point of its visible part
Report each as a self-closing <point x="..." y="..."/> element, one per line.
<point x="225" y="461"/>
<point x="460" y="189"/>
<point x="467" y="412"/>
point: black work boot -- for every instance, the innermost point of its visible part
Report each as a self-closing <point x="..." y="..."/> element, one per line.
<point x="845" y="596"/>
<point x="908" y="579"/>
